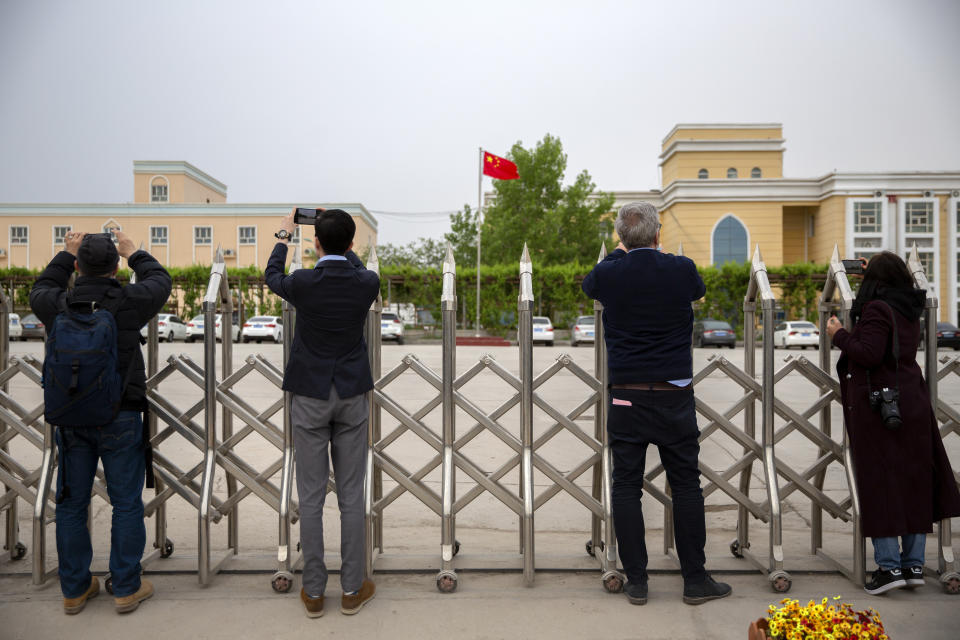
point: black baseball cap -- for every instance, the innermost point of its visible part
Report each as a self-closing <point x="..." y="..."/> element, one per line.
<point x="97" y="254"/>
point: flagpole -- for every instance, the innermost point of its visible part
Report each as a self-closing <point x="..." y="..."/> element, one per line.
<point x="476" y="327"/>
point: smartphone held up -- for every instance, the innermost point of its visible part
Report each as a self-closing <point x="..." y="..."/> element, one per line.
<point x="304" y="215"/>
<point x="853" y="267"/>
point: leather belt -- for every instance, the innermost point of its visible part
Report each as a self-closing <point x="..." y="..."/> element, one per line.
<point x="649" y="386"/>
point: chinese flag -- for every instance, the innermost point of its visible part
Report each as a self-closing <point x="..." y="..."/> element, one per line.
<point x="499" y="168"/>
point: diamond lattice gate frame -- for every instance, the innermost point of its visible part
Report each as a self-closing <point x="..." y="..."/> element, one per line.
<point x="450" y="447"/>
<point x="733" y="482"/>
<point x="602" y="544"/>
<point x="13" y="474"/>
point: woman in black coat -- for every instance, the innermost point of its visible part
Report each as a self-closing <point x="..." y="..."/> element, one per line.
<point x="903" y="475"/>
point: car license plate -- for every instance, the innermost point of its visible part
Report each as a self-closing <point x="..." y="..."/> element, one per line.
<point x="199" y="326"/>
<point x="590" y="333"/>
<point x="948" y="334"/>
<point x="258" y="326"/>
<point x="805" y="335"/>
<point x="29" y="326"/>
<point x="384" y="326"/>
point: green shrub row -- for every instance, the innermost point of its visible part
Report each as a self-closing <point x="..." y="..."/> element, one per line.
<point x="556" y="290"/>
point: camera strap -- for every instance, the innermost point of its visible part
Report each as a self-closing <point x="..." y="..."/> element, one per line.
<point x="896" y="352"/>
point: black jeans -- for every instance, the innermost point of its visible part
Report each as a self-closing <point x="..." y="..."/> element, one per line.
<point x="668" y="420"/>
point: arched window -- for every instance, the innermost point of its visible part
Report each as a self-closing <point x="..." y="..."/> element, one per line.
<point x="729" y="241"/>
<point x="703" y="174"/>
<point x="756" y="173"/>
<point x="159" y="189"/>
<point x="731" y="173"/>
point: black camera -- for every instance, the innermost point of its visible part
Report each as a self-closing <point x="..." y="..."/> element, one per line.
<point x="886" y="402"/>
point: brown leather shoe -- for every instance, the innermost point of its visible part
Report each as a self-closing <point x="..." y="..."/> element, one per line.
<point x="129" y="603"/>
<point x="314" y="606"/>
<point x="349" y="605"/>
<point x="73" y="606"/>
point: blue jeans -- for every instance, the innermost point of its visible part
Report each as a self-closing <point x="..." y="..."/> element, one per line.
<point x="887" y="554"/>
<point x="120" y="446"/>
<point x="668" y="420"/>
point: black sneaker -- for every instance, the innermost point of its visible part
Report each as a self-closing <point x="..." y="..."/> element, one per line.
<point x="883" y="580"/>
<point x="913" y="576"/>
<point x="636" y="592"/>
<point x="705" y="591"/>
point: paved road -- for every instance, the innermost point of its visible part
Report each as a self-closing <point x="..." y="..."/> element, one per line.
<point x="487" y="605"/>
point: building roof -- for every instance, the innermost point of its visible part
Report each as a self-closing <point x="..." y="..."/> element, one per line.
<point x="160" y="167"/>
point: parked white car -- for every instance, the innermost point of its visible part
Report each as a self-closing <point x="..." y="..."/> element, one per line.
<point x="391" y="328"/>
<point x="542" y="330"/>
<point x="583" y="330"/>
<point x="16" y="329"/>
<point x="169" y="328"/>
<point x="796" y="334"/>
<point x="263" y="328"/>
<point x="195" y="329"/>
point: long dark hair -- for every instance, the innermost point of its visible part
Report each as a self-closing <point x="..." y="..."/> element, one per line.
<point x="888" y="278"/>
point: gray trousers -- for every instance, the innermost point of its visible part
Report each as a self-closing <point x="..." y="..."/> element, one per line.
<point x="341" y="424"/>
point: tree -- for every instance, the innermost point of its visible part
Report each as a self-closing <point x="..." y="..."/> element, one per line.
<point x="559" y="224"/>
<point x="424" y="253"/>
<point x="463" y="236"/>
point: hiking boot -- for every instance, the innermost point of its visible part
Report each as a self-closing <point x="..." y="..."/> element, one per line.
<point x="636" y="592"/>
<point x="705" y="591"/>
<point x="129" y="603"/>
<point x="349" y="605"/>
<point x="913" y="576"/>
<point x="73" y="606"/>
<point x="314" y="606"/>
<point x="883" y="580"/>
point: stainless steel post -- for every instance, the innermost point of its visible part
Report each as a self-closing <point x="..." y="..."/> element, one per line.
<point x="611" y="578"/>
<point x="837" y="283"/>
<point x="11" y="535"/>
<point x="749" y="420"/>
<point x="226" y="365"/>
<point x="596" y="542"/>
<point x="40" y="573"/>
<point x="947" y="567"/>
<point x="217" y="274"/>
<point x="153" y="365"/>
<point x="446" y="579"/>
<point x="373" y="419"/>
<point x="283" y="578"/>
<point x="525" y="341"/>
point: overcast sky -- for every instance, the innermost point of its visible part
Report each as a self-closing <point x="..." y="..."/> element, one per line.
<point x="386" y="103"/>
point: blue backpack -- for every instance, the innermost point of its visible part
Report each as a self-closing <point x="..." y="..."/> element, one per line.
<point x="82" y="386"/>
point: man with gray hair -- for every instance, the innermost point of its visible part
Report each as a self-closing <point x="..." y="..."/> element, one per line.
<point x="647" y="323"/>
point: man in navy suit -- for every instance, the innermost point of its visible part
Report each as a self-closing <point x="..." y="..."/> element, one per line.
<point x="329" y="376"/>
<point x="647" y="324"/>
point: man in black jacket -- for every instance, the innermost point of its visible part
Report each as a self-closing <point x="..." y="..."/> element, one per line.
<point x="120" y="444"/>
<point x="329" y="376"/>
<point x="648" y="323"/>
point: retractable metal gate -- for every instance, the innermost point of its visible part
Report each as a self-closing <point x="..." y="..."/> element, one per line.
<point x="26" y="468"/>
<point x="449" y="444"/>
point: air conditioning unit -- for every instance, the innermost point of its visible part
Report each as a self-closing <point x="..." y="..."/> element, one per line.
<point x="3" y="252"/>
<point x="228" y="253"/>
<point x="878" y="194"/>
<point x="955" y="194"/>
<point x="309" y="252"/>
<point x="927" y="194"/>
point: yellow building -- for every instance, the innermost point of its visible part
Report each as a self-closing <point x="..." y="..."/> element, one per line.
<point x="723" y="192"/>
<point x="179" y="213"/>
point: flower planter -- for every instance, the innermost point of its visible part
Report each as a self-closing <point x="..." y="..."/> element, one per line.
<point x="758" y="630"/>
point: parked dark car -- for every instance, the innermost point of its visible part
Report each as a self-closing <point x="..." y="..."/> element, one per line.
<point x="32" y="328"/>
<point x="947" y="336"/>
<point x="714" y="332"/>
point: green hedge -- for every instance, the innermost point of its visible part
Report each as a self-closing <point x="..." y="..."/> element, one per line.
<point x="556" y="291"/>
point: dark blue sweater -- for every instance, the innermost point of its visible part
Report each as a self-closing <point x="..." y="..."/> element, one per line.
<point x="647" y="317"/>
